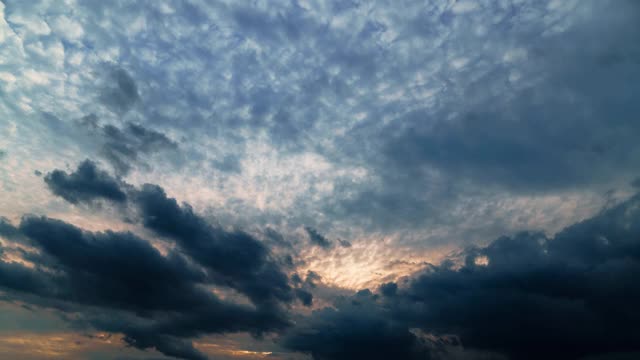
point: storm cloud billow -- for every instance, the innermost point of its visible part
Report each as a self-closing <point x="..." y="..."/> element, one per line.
<point x="118" y="282"/>
<point x="235" y="259"/>
<point x="525" y="296"/>
<point x="87" y="183"/>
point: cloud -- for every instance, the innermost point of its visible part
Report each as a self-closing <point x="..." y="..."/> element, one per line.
<point x="233" y="258"/>
<point x="275" y="238"/>
<point x="7" y="229"/>
<point x="85" y="184"/>
<point x="389" y="289"/>
<point x="127" y="146"/>
<point x="538" y="120"/>
<point x="524" y="296"/>
<point x="344" y="243"/>
<point x="229" y="164"/>
<point x="120" y="92"/>
<point x="400" y="126"/>
<point x="317" y="239"/>
<point x="118" y="282"/>
<point x="376" y="94"/>
<point x="305" y="297"/>
<point x="108" y="268"/>
<point x="571" y="295"/>
<point x="357" y="329"/>
<point x="156" y="300"/>
<point x="506" y="298"/>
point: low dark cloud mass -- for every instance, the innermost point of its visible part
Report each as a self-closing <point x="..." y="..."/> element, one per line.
<point x="306" y="298"/>
<point x="235" y="259"/>
<point x="389" y="289"/>
<point x="118" y="282"/>
<point x="156" y="300"/>
<point x="7" y="229"/>
<point x="525" y="297"/>
<point x="85" y="184"/>
<point x="357" y="329"/>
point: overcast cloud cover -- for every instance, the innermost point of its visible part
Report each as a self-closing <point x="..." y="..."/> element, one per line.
<point x="319" y="179"/>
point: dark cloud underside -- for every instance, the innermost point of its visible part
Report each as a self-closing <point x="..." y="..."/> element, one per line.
<point x="85" y="184"/>
<point x="118" y="282"/>
<point x="526" y="297"/>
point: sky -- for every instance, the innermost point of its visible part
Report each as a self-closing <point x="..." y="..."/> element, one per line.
<point x="319" y="179"/>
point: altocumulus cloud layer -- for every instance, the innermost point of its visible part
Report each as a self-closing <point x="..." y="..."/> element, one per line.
<point x="320" y="179"/>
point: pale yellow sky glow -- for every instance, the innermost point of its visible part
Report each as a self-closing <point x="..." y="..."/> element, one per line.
<point x="63" y="346"/>
<point x="74" y="346"/>
<point x="369" y="262"/>
<point x="242" y="346"/>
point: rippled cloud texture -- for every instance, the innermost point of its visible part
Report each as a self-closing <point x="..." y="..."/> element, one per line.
<point x="319" y="179"/>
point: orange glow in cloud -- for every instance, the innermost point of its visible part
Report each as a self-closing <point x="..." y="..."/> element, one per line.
<point x="369" y="263"/>
<point x="242" y="346"/>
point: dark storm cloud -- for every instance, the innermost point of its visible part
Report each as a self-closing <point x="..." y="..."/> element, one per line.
<point x="236" y="259"/>
<point x="7" y="229"/>
<point x="389" y="289"/>
<point x="166" y="345"/>
<point x="157" y="301"/>
<point x="108" y="268"/>
<point x="526" y="297"/>
<point x="317" y="238"/>
<point x="305" y="297"/>
<point x="120" y="92"/>
<point x="358" y="328"/>
<point x="85" y="184"/>
<point x="303" y="288"/>
<point x="118" y="282"/>
<point x="571" y="296"/>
